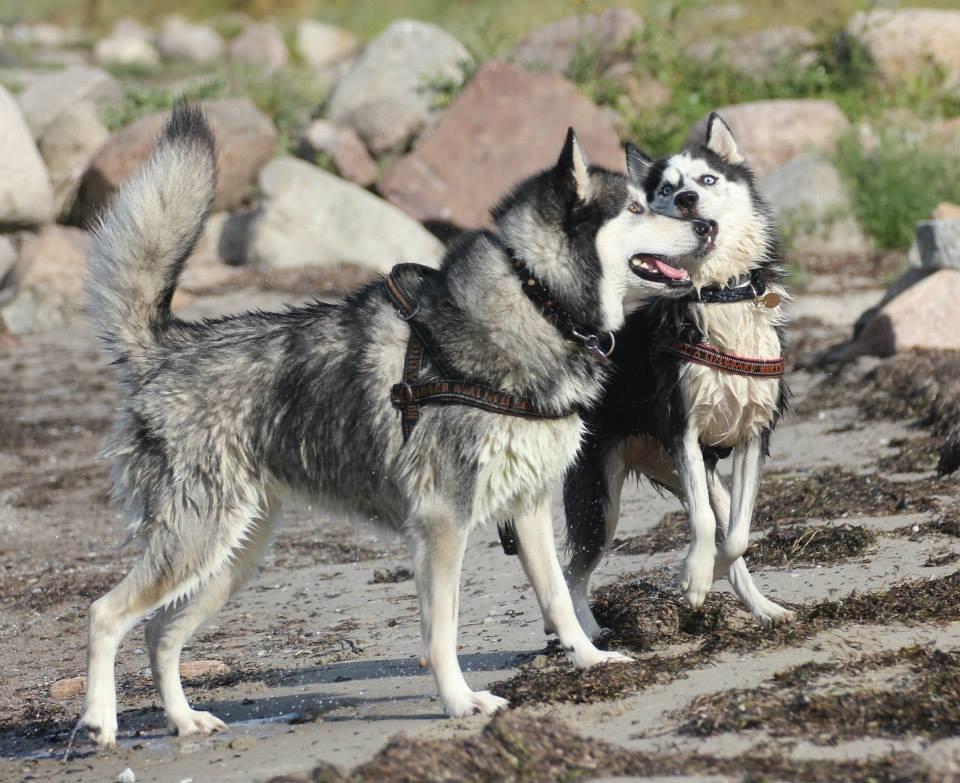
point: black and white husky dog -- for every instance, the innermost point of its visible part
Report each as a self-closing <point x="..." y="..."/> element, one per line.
<point x="221" y="416"/>
<point x="670" y="418"/>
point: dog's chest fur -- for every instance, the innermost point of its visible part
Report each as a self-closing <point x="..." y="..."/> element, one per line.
<point x="726" y="408"/>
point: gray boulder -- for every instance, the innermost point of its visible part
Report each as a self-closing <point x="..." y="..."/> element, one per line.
<point x="396" y="80"/>
<point x="196" y="43"/>
<point x="46" y="97"/>
<point x="25" y="194"/>
<point x="939" y="244"/>
<point x="47" y="280"/>
<point x="322" y="45"/>
<point x="556" y="46"/>
<point x="310" y="217"/>
<point x="67" y="148"/>
<point x="904" y="43"/>
<point x="128" y="44"/>
<point x="813" y="208"/>
<point x="757" y="52"/>
<point x="261" y="45"/>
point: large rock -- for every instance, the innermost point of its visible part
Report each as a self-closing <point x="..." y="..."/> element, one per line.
<point x="8" y="258"/>
<point x="261" y="45"/>
<point x="245" y="142"/>
<point x="48" y="278"/>
<point x="755" y="53"/>
<point x="507" y="123"/>
<point x="770" y="133"/>
<point x="196" y="43"/>
<point x="47" y="97"/>
<point x="395" y="82"/>
<point x="556" y="46"/>
<point x="939" y="243"/>
<point x="311" y="217"/>
<point x="126" y="51"/>
<point x="813" y="207"/>
<point x="25" y="194"/>
<point x="322" y="45"/>
<point x="904" y="43"/>
<point x="925" y="316"/>
<point x="67" y="148"/>
<point x="344" y="149"/>
<point x="128" y="44"/>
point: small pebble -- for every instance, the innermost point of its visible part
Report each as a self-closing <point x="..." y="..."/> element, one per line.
<point x="539" y="662"/>
<point x="127" y="776"/>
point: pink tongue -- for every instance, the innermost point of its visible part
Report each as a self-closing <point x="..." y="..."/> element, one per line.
<point x="670" y="271"/>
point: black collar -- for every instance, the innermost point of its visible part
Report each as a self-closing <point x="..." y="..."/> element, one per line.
<point x="749" y="285"/>
<point x="565" y="323"/>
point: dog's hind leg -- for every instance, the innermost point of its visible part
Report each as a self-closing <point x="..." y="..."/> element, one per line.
<point x="172" y="626"/>
<point x="591" y="500"/>
<point x="437" y="546"/>
<point x="539" y="557"/>
<point x="147" y="586"/>
<point x="765" y="611"/>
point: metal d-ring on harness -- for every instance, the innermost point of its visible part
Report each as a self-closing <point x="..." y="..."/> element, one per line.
<point x="411" y="393"/>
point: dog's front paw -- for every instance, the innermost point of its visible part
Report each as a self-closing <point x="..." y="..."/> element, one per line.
<point x="472" y="702"/>
<point x="696" y="579"/>
<point x="769" y="614"/>
<point x="587" y="658"/>
<point x="101" y="726"/>
<point x="194" y="722"/>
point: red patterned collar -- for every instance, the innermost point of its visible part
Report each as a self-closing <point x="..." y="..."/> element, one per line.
<point x="701" y="353"/>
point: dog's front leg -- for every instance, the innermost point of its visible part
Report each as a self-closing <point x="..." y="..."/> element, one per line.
<point x="747" y="465"/>
<point x="697" y="576"/>
<point x="438" y="546"/>
<point x="765" y="611"/>
<point x="538" y="554"/>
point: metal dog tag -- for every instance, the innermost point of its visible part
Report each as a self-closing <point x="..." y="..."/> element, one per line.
<point x="769" y="300"/>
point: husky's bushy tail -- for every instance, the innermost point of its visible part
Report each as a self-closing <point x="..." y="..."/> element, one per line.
<point x="147" y="233"/>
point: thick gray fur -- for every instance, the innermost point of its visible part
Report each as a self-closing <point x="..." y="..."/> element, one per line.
<point x="222" y="416"/>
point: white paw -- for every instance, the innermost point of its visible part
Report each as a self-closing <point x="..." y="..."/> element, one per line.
<point x="101" y="726"/>
<point x="594" y="657"/>
<point x="194" y="722"/>
<point x="696" y="579"/>
<point x="769" y="614"/>
<point x="472" y="702"/>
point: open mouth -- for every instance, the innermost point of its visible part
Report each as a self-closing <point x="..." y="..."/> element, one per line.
<point x="657" y="270"/>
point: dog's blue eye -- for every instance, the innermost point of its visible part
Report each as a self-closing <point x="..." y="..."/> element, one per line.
<point x="708" y="179"/>
<point x="666" y="190"/>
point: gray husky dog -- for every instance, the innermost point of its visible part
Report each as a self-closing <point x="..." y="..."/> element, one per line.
<point x="222" y="416"/>
<point x="697" y="375"/>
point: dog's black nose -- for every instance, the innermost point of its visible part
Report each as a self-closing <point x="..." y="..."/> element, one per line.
<point x="686" y="199"/>
<point x="704" y="228"/>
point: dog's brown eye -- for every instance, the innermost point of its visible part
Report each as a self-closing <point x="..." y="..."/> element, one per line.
<point x="635" y="208"/>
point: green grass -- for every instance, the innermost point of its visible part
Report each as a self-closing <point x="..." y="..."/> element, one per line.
<point x="897" y="183"/>
<point x="289" y="96"/>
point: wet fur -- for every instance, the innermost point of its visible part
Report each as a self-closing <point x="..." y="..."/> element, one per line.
<point x="672" y="421"/>
<point x="220" y="418"/>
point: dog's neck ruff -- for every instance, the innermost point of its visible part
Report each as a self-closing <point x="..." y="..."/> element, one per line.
<point x="565" y="323"/>
<point x="748" y="286"/>
<point x="411" y="393"/>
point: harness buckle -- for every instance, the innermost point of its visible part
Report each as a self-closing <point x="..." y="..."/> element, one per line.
<point x="401" y="394"/>
<point x="405" y="316"/>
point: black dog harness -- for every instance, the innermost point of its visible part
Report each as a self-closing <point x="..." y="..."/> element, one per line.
<point x="411" y="394"/>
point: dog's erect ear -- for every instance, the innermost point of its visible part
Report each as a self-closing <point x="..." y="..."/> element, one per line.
<point x="638" y="163"/>
<point x="720" y="139"/>
<point x="573" y="168"/>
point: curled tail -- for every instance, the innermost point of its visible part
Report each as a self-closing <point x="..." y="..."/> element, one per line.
<point x="147" y="233"/>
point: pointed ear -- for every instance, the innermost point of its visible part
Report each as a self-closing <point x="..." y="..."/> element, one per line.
<point x="573" y="168"/>
<point x="720" y="139"/>
<point x="638" y="163"/>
